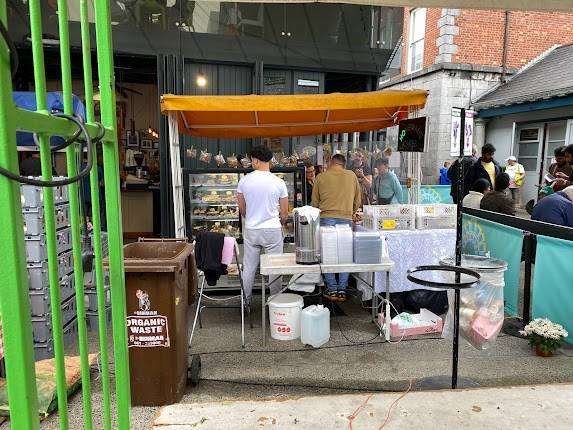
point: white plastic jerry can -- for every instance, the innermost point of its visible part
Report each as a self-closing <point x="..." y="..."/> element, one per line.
<point x="315" y="325"/>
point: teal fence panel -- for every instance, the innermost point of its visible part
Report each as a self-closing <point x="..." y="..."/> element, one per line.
<point x="487" y="238"/>
<point x="431" y="194"/>
<point x="552" y="296"/>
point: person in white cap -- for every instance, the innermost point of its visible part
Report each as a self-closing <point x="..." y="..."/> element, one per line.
<point x="516" y="174"/>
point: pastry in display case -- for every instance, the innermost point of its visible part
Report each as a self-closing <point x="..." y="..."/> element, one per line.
<point x="212" y="201"/>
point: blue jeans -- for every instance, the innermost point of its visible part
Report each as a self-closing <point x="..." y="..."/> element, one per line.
<point x="331" y="284"/>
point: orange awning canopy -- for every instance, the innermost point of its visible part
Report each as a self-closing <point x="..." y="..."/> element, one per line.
<point x="290" y="115"/>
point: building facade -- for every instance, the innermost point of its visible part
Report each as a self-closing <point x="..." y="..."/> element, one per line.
<point x="532" y="114"/>
<point x="458" y="55"/>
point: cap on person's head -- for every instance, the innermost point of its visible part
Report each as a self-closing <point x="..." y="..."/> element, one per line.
<point x="502" y="182"/>
<point x="261" y="153"/>
<point x="511" y="158"/>
<point x="382" y="161"/>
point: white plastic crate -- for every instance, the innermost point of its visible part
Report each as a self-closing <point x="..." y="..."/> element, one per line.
<point x="33" y="196"/>
<point x="436" y="216"/>
<point x="34" y="219"/>
<point x="390" y="217"/>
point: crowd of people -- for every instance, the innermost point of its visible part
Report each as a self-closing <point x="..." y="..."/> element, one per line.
<point x="489" y="186"/>
<point x="345" y="186"/>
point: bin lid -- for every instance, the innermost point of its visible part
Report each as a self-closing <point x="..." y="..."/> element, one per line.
<point x="287" y="300"/>
<point x="477" y="263"/>
<point x="155" y="256"/>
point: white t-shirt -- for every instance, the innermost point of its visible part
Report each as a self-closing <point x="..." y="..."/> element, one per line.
<point x="262" y="191"/>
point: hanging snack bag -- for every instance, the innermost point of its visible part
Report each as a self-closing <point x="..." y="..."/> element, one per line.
<point x="191" y="152"/>
<point x="246" y="162"/>
<point x="232" y="161"/>
<point x="205" y="157"/>
<point x="219" y="159"/>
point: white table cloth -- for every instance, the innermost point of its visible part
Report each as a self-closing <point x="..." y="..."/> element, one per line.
<point x="411" y="248"/>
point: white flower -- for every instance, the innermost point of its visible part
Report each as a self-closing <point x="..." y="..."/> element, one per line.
<point x="544" y="328"/>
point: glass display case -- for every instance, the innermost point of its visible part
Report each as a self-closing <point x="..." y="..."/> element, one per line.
<point x="211" y="202"/>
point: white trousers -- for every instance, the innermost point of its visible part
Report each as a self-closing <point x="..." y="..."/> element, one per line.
<point x="267" y="240"/>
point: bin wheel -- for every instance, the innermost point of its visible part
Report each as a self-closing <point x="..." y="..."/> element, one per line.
<point x="194" y="371"/>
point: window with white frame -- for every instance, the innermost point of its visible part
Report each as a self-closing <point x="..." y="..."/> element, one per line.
<point x="417" y="31"/>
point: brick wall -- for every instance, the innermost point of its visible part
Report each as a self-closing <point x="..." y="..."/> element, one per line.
<point x="480" y="34"/>
<point x="530" y="33"/>
<point x="432" y="34"/>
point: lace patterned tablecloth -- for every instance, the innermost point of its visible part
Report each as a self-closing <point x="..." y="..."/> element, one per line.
<point x="410" y="248"/>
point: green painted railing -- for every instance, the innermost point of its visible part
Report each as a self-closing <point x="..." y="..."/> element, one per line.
<point x="14" y="301"/>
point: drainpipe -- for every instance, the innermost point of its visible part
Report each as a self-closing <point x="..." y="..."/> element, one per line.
<point x="505" y="48"/>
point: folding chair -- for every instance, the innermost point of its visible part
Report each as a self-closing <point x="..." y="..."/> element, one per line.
<point x="208" y="289"/>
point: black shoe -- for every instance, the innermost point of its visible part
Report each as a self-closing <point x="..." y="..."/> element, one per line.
<point x="342" y="297"/>
<point x="331" y="296"/>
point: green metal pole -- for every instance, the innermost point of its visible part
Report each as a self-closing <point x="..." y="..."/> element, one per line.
<point x="49" y="214"/>
<point x="113" y="208"/>
<point x="14" y="301"/>
<point x="71" y="157"/>
<point x="94" y="188"/>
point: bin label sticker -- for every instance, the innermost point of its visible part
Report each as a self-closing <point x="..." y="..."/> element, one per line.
<point x="147" y="331"/>
<point x="143" y="297"/>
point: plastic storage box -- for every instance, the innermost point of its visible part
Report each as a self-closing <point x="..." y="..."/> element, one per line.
<point x="91" y="298"/>
<point x="390" y="217"/>
<point x="40" y="298"/>
<point x="45" y="350"/>
<point x="36" y="246"/>
<point x="328" y="245"/>
<point x="33" y="196"/>
<point x="38" y="271"/>
<point x="92" y="319"/>
<point x="42" y="325"/>
<point x="344" y="238"/>
<point x="34" y="219"/>
<point x="436" y="216"/>
<point x="368" y="246"/>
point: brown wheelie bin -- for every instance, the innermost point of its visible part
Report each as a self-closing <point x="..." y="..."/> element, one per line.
<point x="156" y="284"/>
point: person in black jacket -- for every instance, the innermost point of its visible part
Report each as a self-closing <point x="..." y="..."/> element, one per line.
<point x="485" y="167"/>
<point x="454" y="170"/>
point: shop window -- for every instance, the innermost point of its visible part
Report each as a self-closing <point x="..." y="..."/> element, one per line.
<point x="417" y="31"/>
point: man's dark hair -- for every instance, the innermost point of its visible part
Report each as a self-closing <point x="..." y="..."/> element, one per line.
<point x="261" y="153"/>
<point x="560" y="151"/>
<point x="339" y="158"/>
<point x="481" y="185"/>
<point x="502" y="182"/>
<point x="488" y="148"/>
<point x="569" y="149"/>
<point x="382" y="161"/>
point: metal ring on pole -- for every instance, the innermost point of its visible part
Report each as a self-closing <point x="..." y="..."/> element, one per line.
<point x="84" y="173"/>
<point x="437" y="284"/>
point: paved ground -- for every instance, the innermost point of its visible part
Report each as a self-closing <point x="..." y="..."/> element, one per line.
<point x="287" y="369"/>
<point x="526" y="407"/>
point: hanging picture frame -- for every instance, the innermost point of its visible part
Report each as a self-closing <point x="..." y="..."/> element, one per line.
<point x="132" y="139"/>
<point x="146" y="144"/>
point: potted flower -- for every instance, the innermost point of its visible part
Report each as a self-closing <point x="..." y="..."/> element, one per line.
<point x="544" y="335"/>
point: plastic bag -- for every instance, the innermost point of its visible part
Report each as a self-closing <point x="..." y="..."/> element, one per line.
<point x="192" y="153"/>
<point x="219" y="159"/>
<point x="273" y="163"/>
<point x="481" y="313"/>
<point x="205" y="157"/>
<point x="246" y="162"/>
<point x="232" y="161"/>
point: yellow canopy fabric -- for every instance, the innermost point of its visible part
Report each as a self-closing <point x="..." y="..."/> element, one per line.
<point x="290" y="115"/>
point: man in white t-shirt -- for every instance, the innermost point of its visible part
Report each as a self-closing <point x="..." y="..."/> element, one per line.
<point x="263" y="202"/>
